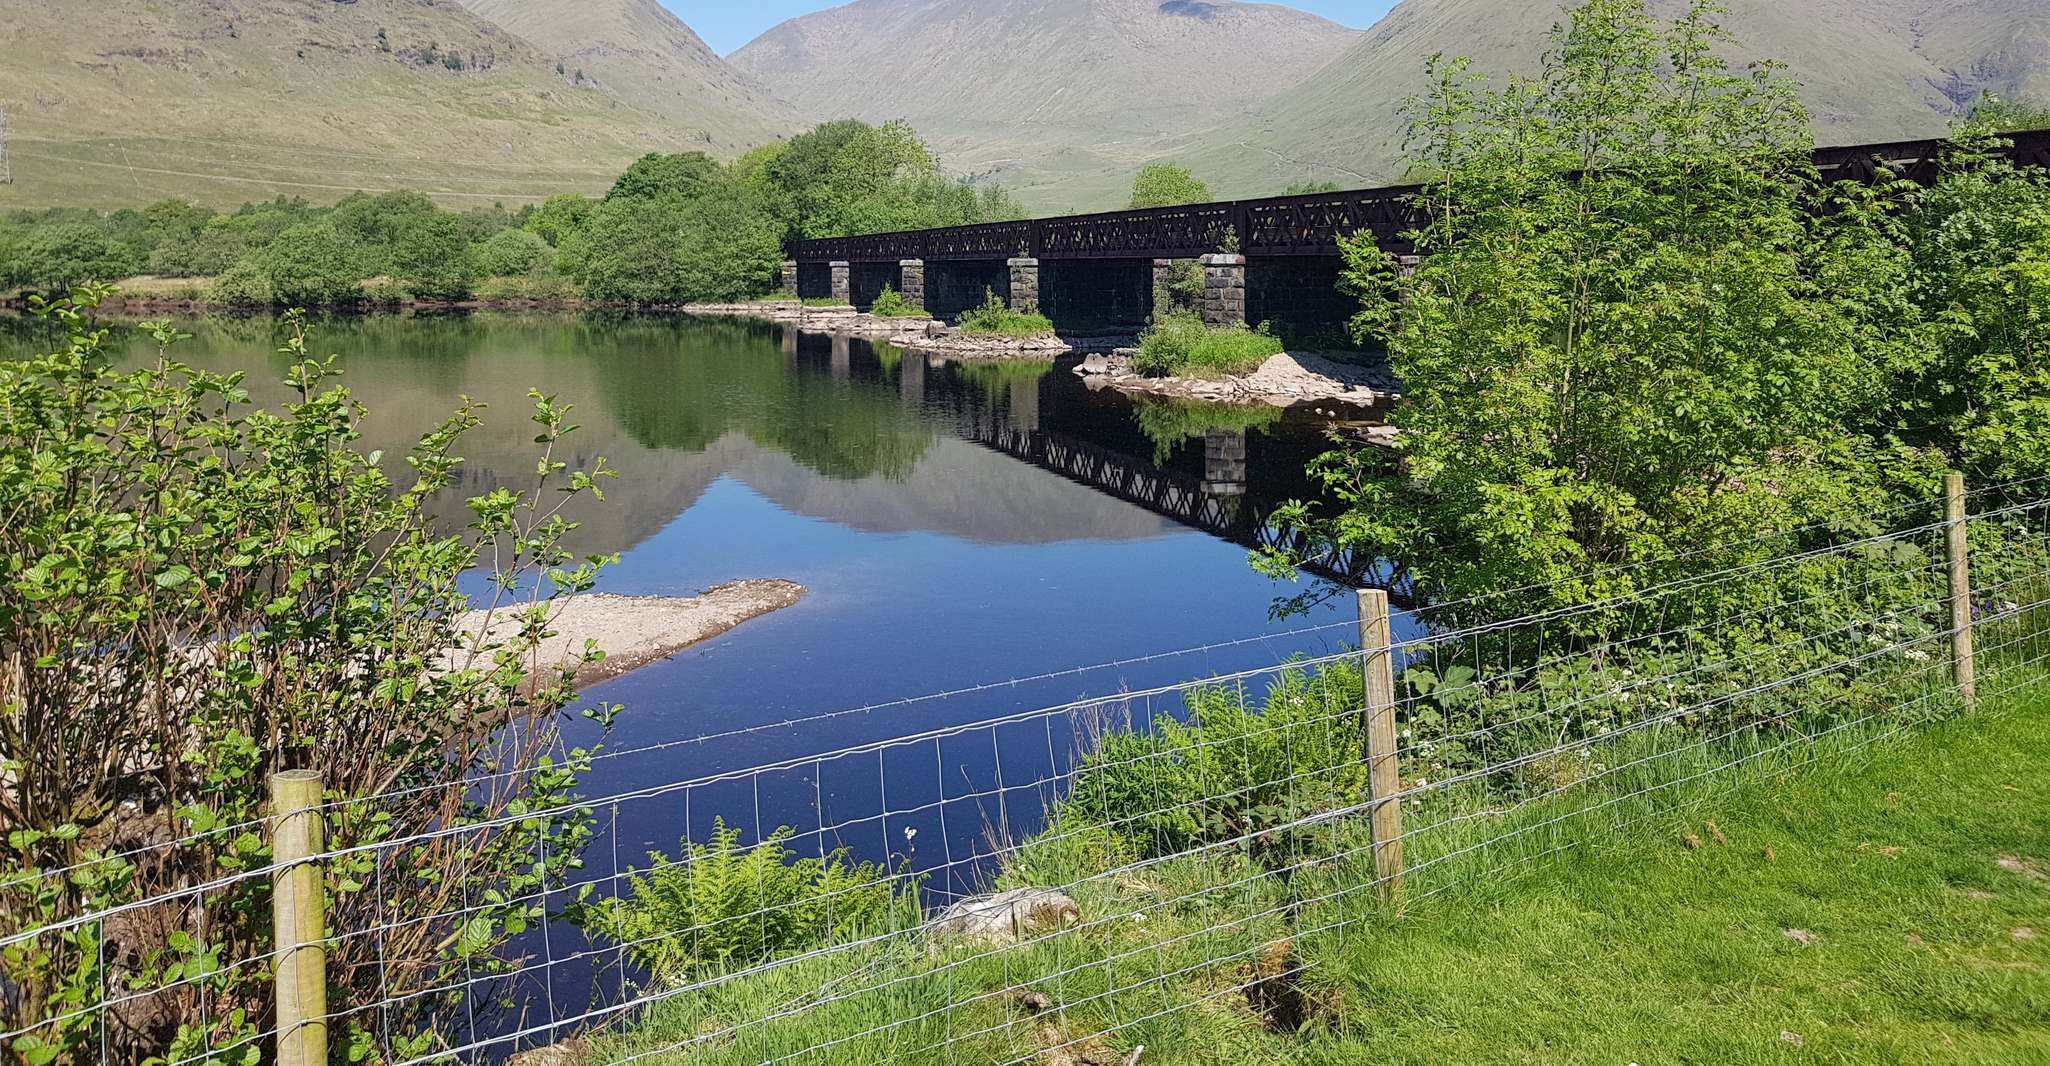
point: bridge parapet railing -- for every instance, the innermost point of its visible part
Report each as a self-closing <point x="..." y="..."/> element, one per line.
<point x="990" y="240"/>
<point x="1311" y="224"/>
<point x="1161" y="232"/>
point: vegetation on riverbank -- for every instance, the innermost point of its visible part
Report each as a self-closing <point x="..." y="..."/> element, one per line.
<point x="890" y="304"/>
<point x="1641" y="325"/>
<point x="673" y="229"/>
<point x="1178" y="344"/>
<point x="198" y="595"/>
<point x="1219" y="918"/>
<point x="996" y="319"/>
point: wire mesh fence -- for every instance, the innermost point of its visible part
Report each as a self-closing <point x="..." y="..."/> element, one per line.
<point x="1041" y="885"/>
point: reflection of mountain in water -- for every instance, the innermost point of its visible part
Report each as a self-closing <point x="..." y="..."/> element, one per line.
<point x="817" y="425"/>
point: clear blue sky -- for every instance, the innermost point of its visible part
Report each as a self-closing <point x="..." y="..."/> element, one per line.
<point x="728" y="24"/>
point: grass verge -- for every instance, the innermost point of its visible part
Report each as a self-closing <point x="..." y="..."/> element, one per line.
<point x="1880" y="894"/>
<point x="1892" y="908"/>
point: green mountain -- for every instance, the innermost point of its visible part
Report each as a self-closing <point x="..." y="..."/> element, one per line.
<point x="1872" y="70"/>
<point x="1044" y="96"/>
<point x="639" y="51"/>
<point x="120" y="101"/>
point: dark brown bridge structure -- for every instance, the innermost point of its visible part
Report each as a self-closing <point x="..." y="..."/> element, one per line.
<point x="1104" y="269"/>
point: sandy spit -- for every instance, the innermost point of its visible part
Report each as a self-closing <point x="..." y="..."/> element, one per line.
<point x="638" y="631"/>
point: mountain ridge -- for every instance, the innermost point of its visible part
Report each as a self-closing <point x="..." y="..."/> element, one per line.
<point x="1027" y="91"/>
<point x="1895" y="69"/>
<point x="226" y="101"/>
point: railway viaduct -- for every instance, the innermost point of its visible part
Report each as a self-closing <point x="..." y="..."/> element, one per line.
<point x="1087" y="271"/>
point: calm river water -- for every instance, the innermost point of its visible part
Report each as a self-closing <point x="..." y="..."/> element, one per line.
<point x="936" y="556"/>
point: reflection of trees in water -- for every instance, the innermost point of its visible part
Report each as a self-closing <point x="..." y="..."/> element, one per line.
<point x="1167" y="423"/>
<point x="997" y="378"/>
<point x="685" y="384"/>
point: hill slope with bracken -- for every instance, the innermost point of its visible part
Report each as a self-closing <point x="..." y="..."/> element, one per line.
<point x="222" y="101"/>
<point x="1046" y="96"/>
<point x="1871" y="69"/>
<point x="639" y="51"/>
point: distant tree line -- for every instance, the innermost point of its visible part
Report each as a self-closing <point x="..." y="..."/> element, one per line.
<point x="673" y="228"/>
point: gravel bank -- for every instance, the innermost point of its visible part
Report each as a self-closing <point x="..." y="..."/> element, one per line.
<point x="637" y="631"/>
<point x="1289" y="380"/>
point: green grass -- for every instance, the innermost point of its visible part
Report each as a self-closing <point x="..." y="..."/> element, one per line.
<point x="1659" y="934"/>
<point x="1682" y="940"/>
<point x="995" y="319"/>
<point x="1180" y="345"/>
<point x="891" y="305"/>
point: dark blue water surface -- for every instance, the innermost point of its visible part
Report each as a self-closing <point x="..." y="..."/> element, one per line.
<point x="920" y="505"/>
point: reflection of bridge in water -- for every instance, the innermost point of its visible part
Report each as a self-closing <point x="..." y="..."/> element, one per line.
<point x="1221" y="502"/>
<point x="1218" y="503"/>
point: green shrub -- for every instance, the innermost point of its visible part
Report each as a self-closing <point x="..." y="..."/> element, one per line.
<point x="891" y="305"/>
<point x="1236" y="765"/>
<point x="723" y="906"/>
<point x="243" y="285"/>
<point x="432" y="259"/>
<point x="996" y="319"/>
<point x="512" y="253"/>
<point x="313" y="264"/>
<point x="308" y="561"/>
<point x="1184" y="291"/>
<point x="1180" y="345"/>
<point x="1167" y="185"/>
<point x="58" y="257"/>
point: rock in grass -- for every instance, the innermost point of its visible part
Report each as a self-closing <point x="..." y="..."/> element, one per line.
<point x="1008" y="917"/>
<point x="573" y="1053"/>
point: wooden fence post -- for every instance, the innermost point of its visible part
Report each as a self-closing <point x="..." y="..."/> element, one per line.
<point x="1383" y="755"/>
<point x="299" y="918"/>
<point x="1958" y="536"/>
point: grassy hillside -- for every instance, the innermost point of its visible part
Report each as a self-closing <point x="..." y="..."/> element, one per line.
<point x="1871" y="71"/>
<point x="224" y="101"/>
<point x="1042" y="94"/>
<point x="639" y="51"/>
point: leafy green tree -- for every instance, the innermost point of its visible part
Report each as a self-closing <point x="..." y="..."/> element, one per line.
<point x="656" y="176"/>
<point x="11" y="272"/>
<point x="731" y="247"/>
<point x="376" y="224"/>
<point x="1980" y="246"/>
<point x="431" y="258"/>
<point x="58" y="257"/>
<point x="170" y="231"/>
<point x="480" y="223"/>
<point x="850" y="177"/>
<point x="628" y="250"/>
<point x="558" y="217"/>
<point x="1629" y="336"/>
<point x="1167" y="185"/>
<point x="1307" y="188"/>
<point x="314" y="264"/>
<point x="512" y="253"/>
<point x="2002" y="115"/>
<point x="209" y="594"/>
